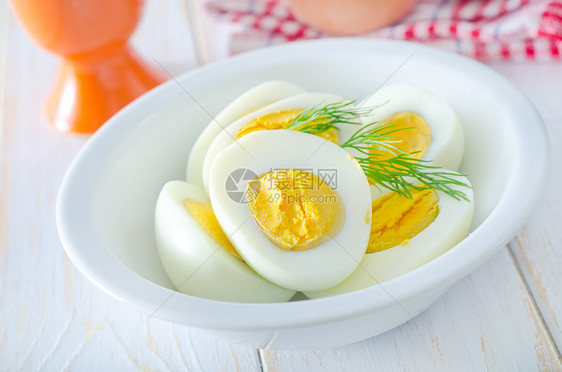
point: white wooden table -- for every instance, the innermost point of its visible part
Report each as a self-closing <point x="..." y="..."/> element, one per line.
<point x="507" y="315"/>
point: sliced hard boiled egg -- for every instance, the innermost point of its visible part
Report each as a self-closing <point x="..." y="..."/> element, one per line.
<point x="253" y="99"/>
<point x="197" y="255"/>
<point x="426" y="123"/>
<point x="275" y="116"/>
<point x="296" y="207"/>
<point x="407" y="233"/>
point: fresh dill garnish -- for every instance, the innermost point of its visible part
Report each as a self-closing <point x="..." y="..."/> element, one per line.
<point x="398" y="171"/>
<point x="401" y="171"/>
<point x="319" y="119"/>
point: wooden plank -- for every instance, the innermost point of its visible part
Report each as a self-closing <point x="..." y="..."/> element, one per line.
<point x="4" y="162"/>
<point x="538" y="247"/>
<point x="164" y="34"/>
<point x="487" y="321"/>
<point x="32" y="264"/>
<point x="210" y="38"/>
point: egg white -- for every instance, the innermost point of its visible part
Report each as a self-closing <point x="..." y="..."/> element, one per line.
<point x="449" y="228"/>
<point x="305" y="101"/>
<point x="314" y="269"/>
<point x="196" y="264"/>
<point x="447" y="146"/>
<point x="263" y="94"/>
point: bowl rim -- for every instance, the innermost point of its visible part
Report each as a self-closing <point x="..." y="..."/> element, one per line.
<point x="104" y="269"/>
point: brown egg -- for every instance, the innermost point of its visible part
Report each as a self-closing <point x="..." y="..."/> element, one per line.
<point x="350" y="17"/>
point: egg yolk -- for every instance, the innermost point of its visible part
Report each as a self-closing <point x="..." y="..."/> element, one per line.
<point x="413" y="135"/>
<point x="279" y="120"/>
<point x="295" y="209"/>
<point x="397" y="218"/>
<point x="205" y="217"/>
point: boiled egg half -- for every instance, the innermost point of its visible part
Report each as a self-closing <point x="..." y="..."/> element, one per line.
<point x="251" y="100"/>
<point x="275" y="116"/>
<point x="408" y="232"/>
<point x="295" y="206"/>
<point x="197" y="254"/>
<point x="424" y="123"/>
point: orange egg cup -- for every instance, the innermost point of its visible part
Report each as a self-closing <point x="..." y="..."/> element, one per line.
<point x="99" y="73"/>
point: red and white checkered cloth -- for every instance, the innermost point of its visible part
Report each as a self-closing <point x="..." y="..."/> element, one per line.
<point x="482" y="29"/>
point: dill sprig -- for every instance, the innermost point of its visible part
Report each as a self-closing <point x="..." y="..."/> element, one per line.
<point x="318" y="119"/>
<point x="400" y="172"/>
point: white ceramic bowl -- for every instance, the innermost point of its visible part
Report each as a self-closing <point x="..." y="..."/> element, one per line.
<point x="106" y="202"/>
